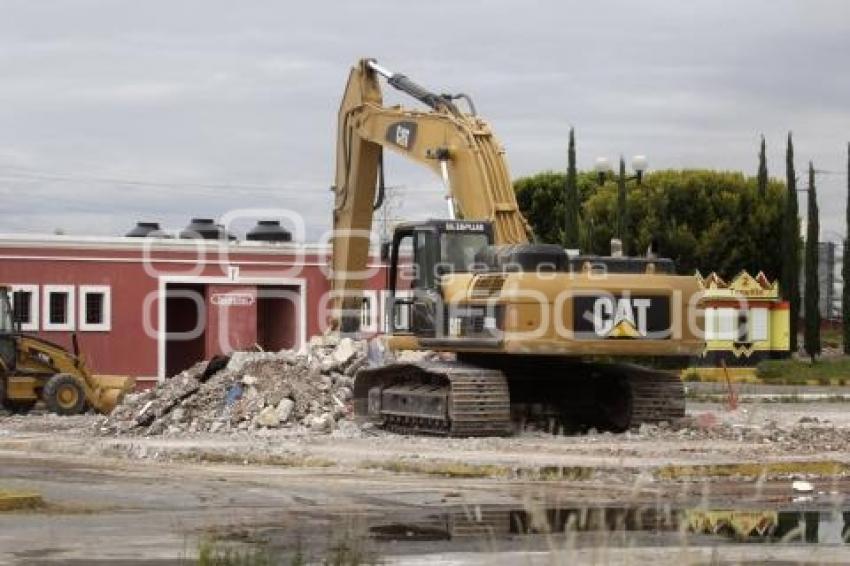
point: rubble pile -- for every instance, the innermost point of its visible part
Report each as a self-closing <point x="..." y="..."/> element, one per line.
<point x="249" y="390"/>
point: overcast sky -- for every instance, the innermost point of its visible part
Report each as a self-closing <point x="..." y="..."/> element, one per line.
<point x="224" y="105"/>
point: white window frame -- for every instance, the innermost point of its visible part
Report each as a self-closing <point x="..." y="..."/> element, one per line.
<point x="372" y="298"/>
<point x="711" y="323"/>
<point x="727" y="324"/>
<point x="47" y="290"/>
<point x="104" y="290"/>
<point x="32" y="326"/>
<point x="385" y="315"/>
<point x="759" y="320"/>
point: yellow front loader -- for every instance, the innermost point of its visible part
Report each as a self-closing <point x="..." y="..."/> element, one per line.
<point x="32" y="369"/>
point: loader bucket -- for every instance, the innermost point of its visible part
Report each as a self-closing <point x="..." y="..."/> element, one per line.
<point x="109" y="390"/>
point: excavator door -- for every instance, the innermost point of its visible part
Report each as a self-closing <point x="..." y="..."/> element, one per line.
<point x="421" y="253"/>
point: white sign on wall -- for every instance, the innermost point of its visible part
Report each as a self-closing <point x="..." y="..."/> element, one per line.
<point x="232" y="299"/>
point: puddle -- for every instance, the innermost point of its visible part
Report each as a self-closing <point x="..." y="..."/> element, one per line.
<point x="497" y="529"/>
<point x="485" y="531"/>
<point x="741" y="525"/>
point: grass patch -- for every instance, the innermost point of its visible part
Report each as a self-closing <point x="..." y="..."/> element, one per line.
<point x="12" y="500"/>
<point x="278" y="460"/>
<point x="443" y="469"/>
<point x="463" y="470"/>
<point x="691" y="375"/>
<point x="753" y="470"/>
<point x="349" y="548"/>
<point x="832" y="371"/>
<point x="214" y="554"/>
<point x="832" y="337"/>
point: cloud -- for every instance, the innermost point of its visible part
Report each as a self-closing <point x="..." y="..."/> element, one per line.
<point x="212" y="93"/>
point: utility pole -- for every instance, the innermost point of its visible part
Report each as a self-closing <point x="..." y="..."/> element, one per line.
<point x="622" y="207"/>
<point x="603" y="168"/>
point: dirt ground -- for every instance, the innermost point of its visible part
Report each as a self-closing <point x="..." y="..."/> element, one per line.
<point x="379" y="497"/>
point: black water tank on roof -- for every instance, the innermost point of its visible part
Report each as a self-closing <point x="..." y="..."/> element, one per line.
<point x="146" y="230"/>
<point x="269" y="231"/>
<point x="207" y="229"/>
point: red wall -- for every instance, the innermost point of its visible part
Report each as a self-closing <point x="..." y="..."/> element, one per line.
<point x="127" y="348"/>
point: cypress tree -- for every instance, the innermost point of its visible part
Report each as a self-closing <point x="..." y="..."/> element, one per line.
<point x="571" y="202"/>
<point x="622" y="207"/>
<point x="762" y="174"/>
<point x="845" y="268"/>
<point x="790" y="246"/>
<point x="812" y="291"/>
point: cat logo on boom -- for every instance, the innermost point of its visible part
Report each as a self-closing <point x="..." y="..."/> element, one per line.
<point x="402" y="134"/>
<point x="620" y="317"/>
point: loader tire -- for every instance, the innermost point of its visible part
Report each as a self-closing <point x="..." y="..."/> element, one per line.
<point x="63" y="395"/>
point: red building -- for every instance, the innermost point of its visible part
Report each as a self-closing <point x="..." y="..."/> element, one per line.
<point x="150" y="307"/>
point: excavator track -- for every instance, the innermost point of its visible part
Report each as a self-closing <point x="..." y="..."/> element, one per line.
<point x="436" y="399"/>
<point x="656" y="397"/>
<point x="457" y="399"/>
<point x="479" y="402"/>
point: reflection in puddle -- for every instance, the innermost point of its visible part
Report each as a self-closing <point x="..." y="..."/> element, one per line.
<point x="827" y="527"/>
<point x="793" y="525"/>
<point x="370" y="535"/>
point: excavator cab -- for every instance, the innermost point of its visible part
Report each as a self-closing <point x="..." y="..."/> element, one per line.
<point x="439" y="248"/>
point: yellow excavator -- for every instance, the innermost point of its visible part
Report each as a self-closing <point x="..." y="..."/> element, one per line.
<point x="32" y="369"/>
<point x="536" y="333"/>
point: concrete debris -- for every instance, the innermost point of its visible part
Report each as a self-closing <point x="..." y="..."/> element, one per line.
<point x="252" y="390"/>
<point x="284" y="409"/>
<point x="344" y="353"/>
<point x="268" y="417"/>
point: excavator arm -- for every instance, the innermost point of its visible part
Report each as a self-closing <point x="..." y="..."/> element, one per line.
<point x="459" y="147"/>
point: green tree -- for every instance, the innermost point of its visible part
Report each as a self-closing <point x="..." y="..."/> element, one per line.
<point x="571" y="200"/>
<point x="762" y="174"/>
<point x="845" y="268"/>
<point x="811" y="340"/>
<point x="541" y="200"/>
<point x="790" y="246"/>
<point x="704" y="220"/>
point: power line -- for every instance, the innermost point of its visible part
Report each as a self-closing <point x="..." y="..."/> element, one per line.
<point x="20" y="172"/>
<point x="828" y="172"/>
<point x="24" y="173"/>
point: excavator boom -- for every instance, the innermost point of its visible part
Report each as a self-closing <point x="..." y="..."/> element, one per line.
<point x="459" y="147"/>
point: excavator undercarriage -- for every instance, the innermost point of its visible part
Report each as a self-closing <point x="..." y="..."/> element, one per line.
<point x="464" y="399"/>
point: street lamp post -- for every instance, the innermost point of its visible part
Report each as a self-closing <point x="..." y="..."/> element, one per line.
<point x="603" y="170"/>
